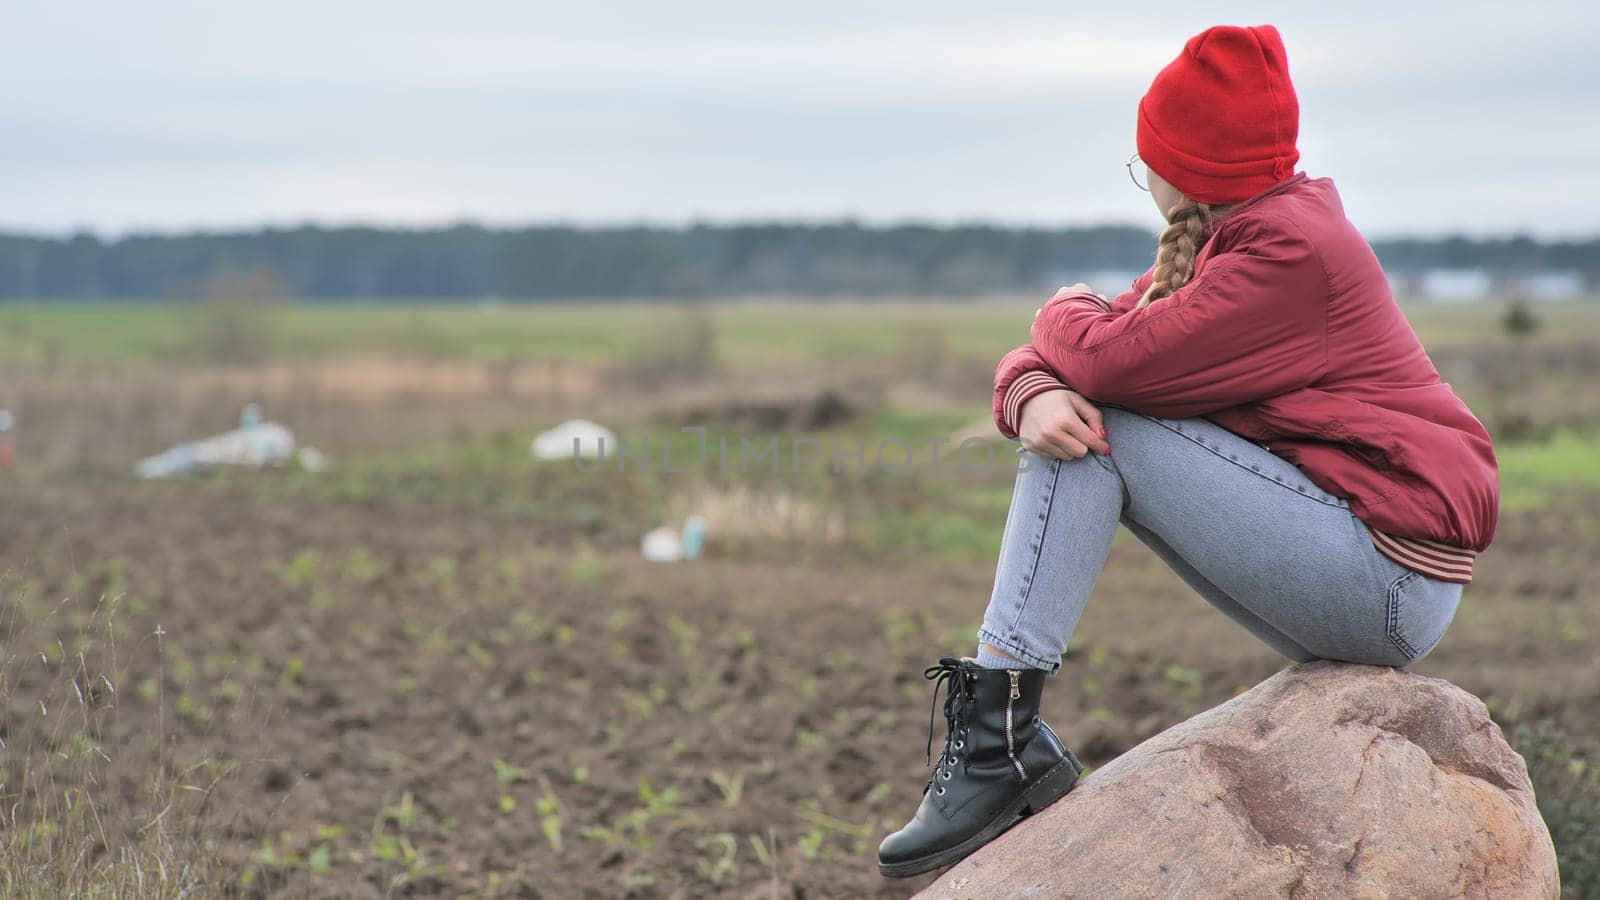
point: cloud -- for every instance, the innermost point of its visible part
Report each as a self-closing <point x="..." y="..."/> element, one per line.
<point x="172" y="113"/>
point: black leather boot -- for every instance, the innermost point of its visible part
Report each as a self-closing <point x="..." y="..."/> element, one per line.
<point x="1000" y="762"/>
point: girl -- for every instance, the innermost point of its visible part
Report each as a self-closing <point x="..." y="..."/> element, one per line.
<point x="1281" y="441"/>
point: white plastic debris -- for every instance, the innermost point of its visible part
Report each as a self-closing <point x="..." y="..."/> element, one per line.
<point x="254" y="445"/>
<point x="694" y="536"/>
<point x="662" y="545"/>
<point x="667" y="544"/>
<point x="312" y="460"/>
<point x="575" y="439"/>
<point x="179" y="460"/>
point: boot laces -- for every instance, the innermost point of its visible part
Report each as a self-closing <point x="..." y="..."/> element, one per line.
<point x="956" y="678"/>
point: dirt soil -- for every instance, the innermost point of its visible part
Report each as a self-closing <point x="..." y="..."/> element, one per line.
<point x="455" y="704"/>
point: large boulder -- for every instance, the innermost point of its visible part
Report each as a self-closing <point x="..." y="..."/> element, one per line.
<point x="1325" y="780"/>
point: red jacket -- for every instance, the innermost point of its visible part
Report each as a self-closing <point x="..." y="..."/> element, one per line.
<point x="1287" y="335"/>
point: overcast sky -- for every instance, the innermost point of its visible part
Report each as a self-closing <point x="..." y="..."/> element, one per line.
<point x="171" y="114"/>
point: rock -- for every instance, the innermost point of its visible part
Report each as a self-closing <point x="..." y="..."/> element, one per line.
<point x="1325" y="780"/>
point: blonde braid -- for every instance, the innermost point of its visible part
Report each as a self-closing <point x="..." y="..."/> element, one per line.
<point x="1180" y="243"/>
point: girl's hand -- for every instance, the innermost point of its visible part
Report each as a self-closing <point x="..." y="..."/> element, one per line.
<point x="1062" y="424"/>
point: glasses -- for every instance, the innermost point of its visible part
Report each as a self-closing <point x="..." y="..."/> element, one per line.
<point x="1139" y="172"/>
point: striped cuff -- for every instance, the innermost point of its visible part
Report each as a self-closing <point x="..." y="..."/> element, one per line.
<point x="1428" y="558"/>
<point x="1027" y="386"/>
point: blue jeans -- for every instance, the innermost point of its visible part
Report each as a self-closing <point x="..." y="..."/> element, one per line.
<point x="1244" y="528"/>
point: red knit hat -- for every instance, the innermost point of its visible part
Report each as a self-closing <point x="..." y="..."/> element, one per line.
<point x="1219" y="122"/>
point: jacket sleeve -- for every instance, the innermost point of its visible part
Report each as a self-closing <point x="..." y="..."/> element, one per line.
<point x="1252" y="324"/>
<point x="1020" y="377"/>
<point x="1023" y="375"/>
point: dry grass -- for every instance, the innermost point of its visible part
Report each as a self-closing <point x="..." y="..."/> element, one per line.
<point x="96" y="416"/>
<point x="70" y="825"/>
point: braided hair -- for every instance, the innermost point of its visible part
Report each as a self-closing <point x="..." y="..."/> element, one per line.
<point x="1176" y="251"/>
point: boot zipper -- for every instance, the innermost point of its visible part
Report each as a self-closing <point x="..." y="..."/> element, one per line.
<point x="1011" y="750"/>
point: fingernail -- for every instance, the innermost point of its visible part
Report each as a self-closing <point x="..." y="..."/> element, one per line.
<point x="1102" y="432"/>
<point x="1108" y="449"/>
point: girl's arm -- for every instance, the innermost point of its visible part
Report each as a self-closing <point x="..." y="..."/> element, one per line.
<point x="1023" y="374"/>
<point x="1252" y="325"/>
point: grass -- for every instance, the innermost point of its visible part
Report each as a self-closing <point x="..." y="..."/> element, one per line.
<point x="896" y="494"/>
<point x="494" y="473"/>
<point x="952" y="513"/>
<point x="900" y="498"/>
<point x="746" y="332"/>
<point x="1566" y="779"/>
<point x="154" y="333"/>
<point x="67" y="832"/>
<point x="1535" y="475"/>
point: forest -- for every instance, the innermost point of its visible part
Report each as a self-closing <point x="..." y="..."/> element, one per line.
<point x="471" y="262"/>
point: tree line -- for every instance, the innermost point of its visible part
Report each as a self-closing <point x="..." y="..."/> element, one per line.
<point x="563" y="262"/>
